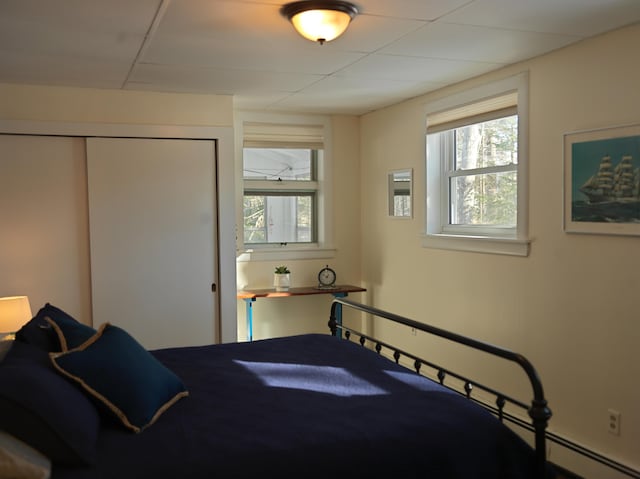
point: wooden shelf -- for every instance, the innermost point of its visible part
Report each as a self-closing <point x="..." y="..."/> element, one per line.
<point x="301" y="291"/>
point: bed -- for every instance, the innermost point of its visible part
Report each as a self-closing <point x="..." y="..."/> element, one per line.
<point x="307" y="406"/>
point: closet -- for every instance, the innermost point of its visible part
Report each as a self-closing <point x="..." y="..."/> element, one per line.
<point x="114" y="229"/>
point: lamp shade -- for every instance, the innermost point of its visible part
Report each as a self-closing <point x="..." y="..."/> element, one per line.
<point x="320" y="20"/>
<point x="15" y="311"/>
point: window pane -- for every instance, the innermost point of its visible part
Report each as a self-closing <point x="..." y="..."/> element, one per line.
<point x="401" y="205"/>
<point x="254" y="225"/>
<point x="491" y="143"/>
<point x="279" y="218"/>
<point x="486" y="199"/>
<point x="279" y="163"/>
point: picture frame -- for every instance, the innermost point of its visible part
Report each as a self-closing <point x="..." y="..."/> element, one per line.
<point x="601" y="181"/>
<point x="400" y="193"/>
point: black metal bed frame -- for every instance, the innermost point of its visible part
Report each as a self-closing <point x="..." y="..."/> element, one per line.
<point x="537" y="410"/>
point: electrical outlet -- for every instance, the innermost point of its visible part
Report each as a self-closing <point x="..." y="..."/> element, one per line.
<point x="614" y="422"/>
<point x="414" y="331"/>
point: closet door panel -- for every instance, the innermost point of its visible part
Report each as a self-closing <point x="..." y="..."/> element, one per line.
<point x="153" y="239"/>
<point x="44" y="231"/>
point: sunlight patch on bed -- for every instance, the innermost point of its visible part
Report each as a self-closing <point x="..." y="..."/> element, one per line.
<point x="322" y="379"/>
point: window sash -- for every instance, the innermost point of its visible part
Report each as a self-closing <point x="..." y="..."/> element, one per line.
<point x="292" y="188"/>
<point x="448" y="202"/>
<point x="487" y="170"/>
<point x="446" y="122"/>
<point x="314" y="157"/>
<point x="296" y="226"/>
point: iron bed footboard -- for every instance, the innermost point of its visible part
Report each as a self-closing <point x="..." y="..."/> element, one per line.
<point x="537" y="410"/>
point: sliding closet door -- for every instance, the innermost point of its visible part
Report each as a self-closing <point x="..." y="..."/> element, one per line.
<point x="44" y="244"/>
<point x="153" y="238"/>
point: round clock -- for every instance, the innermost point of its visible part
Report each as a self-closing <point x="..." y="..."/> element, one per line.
<point x="326" y="278"/>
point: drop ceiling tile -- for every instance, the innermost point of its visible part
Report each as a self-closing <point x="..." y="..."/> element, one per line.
<point x="396" y="67"/>
<point x="369" y="33"/>
<point x="321" y="104"/>
<point x="472" y="43"/>
<point x="75" y="28"/>
<point x="82" y="15"/>
<point x="567" y="17"/>
<point x="231" y="20"/>
<point x="61" y="71"/>
<point x="259" y="100"/>
<point x="212" y="80"/>
<point x="414" y="9"/>
<point x="349" y="94"/>
<point x="338" y="102"/>
<point x="303" y="58"/>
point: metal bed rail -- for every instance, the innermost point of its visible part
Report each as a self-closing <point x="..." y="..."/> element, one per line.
<point x="537" y="410"/>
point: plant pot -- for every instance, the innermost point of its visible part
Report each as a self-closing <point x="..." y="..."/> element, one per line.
<point x="282" y="281"/>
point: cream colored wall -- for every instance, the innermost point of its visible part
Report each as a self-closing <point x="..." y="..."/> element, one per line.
<point x="571" y="306"/>
<point x="294" y="315"/>
<point x="60" y="104"/>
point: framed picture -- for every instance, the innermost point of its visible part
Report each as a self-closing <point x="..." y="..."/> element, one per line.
<point x="601" y="181"/>
<point x="400" y="193"/>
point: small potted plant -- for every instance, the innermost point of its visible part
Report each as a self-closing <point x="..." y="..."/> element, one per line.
<point x="282" y="278"/>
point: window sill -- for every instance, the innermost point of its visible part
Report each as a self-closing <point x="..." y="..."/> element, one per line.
<point x="284" y="253"/>
<point x="477" y="244"/>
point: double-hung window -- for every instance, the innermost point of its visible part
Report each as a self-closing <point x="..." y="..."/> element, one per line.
<point x="280" y="195"/>
<point x="284" y="197"/>
<point x="476" y="169"/>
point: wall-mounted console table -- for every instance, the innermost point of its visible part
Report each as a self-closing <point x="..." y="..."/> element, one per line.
<point x="250" y="295"/>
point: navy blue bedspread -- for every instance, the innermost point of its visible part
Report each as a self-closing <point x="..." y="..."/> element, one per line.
<point x="309" y="406"/>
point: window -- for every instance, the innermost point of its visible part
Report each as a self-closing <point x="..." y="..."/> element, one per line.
<point x="280" y="195"/>
<point x="476" y="170"/>
<point x="285" y="188"/>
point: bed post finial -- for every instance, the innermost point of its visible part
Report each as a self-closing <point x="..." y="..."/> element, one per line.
<point x="540" y="415"/>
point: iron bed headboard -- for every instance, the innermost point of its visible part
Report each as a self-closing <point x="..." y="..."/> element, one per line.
<point x="537" y="410"/>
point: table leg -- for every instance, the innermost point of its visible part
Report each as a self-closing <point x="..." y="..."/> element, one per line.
<point x="249" y="307"/>
<point x="339" y="312"/>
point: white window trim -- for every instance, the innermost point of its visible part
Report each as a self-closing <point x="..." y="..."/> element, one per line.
<point x="436" y="232"/>
<point x="323" y="248"/>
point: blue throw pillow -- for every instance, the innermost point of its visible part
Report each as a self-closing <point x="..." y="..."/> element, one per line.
<point x="70" y="332"/>
<point x="123" y="376"/>
<point x="39" y="333"/>
<point x="54" y="330"/>
<point x="44" y="410"/>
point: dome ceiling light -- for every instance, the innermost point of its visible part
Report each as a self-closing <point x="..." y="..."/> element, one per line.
<point x="320" y="20"/>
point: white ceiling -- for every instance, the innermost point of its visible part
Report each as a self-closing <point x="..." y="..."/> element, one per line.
<point x="393" y="50"/>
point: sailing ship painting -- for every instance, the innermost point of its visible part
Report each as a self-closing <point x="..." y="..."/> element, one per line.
<point x="609" y="184"/>
<point x="606" y="181"/>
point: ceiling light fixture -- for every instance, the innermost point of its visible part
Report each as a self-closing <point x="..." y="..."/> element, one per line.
<point x="320" y="20"/>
